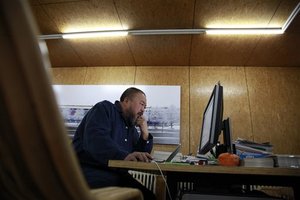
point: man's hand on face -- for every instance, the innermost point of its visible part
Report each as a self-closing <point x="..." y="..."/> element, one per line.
<point x="139" y="156"/>
<point x="142" y="123"/>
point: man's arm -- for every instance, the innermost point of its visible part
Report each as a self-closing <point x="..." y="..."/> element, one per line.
<point x="145" y="142"/>
<point x="142" y="124"/>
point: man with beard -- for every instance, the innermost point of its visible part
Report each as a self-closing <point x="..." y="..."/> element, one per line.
<point x="108" y="132"/>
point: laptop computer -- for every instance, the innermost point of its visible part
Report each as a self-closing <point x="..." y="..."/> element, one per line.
<point x="171" y="156"/>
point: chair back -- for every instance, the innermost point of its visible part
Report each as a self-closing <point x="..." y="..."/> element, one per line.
<point x="36" y="157"/>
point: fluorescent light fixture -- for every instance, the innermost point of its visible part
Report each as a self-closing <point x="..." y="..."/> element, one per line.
<point x="291" y="17"/>
<point x="94" y="34"/>
<point x="244" y="31"/>
<point x="166" y="31"/>
<point x="222" y="31"/>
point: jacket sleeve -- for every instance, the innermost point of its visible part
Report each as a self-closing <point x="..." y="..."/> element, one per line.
<point x="144" y="145"/>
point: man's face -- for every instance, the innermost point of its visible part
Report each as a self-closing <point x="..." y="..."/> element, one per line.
<point x="135" y="107"/>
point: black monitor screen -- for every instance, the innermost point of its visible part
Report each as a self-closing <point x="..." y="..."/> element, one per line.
<point x="212" y="121"/>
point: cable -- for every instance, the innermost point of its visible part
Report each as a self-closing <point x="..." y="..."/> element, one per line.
<point x="162" y="175"/>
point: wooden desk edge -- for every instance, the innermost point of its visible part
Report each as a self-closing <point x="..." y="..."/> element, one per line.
<point x="205" y="168"/>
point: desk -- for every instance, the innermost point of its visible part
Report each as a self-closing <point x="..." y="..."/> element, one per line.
<point x="219" y="174"/>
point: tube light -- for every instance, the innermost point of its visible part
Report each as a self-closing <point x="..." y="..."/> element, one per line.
<point x="244" y="31"/>
<point x="94" y="34"/>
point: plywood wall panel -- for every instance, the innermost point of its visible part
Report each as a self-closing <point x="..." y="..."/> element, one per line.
<point x="262" y="102"/>
<point x="79" y="16"/>
<point x="222" y="50"/>
<point x="68" y="75"/>
<point x="234" y="13"/>
<point x="282" y="13"/>
<point x="160" y="50"/>
<point x="235" y="95"/>
<point x="46" y="25"/>
<point x="156" y="14"/>
<point x="110" y="75"/>
<point x="109" y="51"/>
<point x="274" y="102"/>
<point x="170" y="76"/>
<point x="276" y="50"/>
<point x="62" y="54"/>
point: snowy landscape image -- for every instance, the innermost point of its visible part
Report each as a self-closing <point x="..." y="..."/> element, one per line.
<point x="162" y="111"/>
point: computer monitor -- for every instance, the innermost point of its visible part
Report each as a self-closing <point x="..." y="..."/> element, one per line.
<point x="212" y="124"/>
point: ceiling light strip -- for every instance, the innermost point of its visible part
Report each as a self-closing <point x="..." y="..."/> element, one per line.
<point x="166" y="32"/>
<point x="244" y="31"/>
<point x="223" y="31"/>
<point x="291" y="17"/>
<point x="50" y="37"/>
<point x="90" y="34"/>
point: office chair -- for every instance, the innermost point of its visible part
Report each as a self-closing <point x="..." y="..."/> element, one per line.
<point x="36" y="158"/>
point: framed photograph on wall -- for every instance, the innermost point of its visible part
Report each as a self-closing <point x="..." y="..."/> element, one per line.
<point x="72" y="116"/>
<point x="162" y="112"/>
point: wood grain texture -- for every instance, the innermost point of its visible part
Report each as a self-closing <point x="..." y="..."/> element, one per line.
<point x="110" y="75"/>
<point x="234" y="13"/>
<point x="62" y="54"/>
<point x="109" y="50"/>
<point x="69" y="75"/>
<point x="78" y="16"/>
<point x="59" y="16"/>
<point x="160" y="50"/>
<point x="275" y="171"/>
<point x="155" y="14"/>
<point x="276" y="50"/>
<point x="46" y="24"/>
<point x="274" y="102"/>
<point x="282" y="13"/>
<point x="170" y="76"/>
<point x="222" y="50"/>
<point x="262" y="102"/>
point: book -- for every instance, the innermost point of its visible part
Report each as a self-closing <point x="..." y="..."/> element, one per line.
<point x="244" y="148"/>
<point x="258" y="162"/>
<point x="246" y="154"/>
<point x="266" y="146"/>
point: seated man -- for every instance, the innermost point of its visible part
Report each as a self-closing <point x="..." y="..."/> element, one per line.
<point x="108" y="132"/>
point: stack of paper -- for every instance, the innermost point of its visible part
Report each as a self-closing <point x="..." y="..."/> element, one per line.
<point x="258" y="162"/>
<point x="249" y="149"/>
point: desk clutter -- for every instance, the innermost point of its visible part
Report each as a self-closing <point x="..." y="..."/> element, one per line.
<point x="254" y="154"/>
<point x="247" y="154"/>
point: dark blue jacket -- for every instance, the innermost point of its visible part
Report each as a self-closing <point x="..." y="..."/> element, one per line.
<point x="104" y="135"/>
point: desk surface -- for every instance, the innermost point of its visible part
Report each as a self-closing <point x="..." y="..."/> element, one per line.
<point x="171" y="167"/>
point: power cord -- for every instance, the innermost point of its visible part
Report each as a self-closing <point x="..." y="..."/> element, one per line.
<point x="162" y="175"/>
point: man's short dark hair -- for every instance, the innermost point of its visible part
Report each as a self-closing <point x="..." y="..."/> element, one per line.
<point x="130" y="93"/>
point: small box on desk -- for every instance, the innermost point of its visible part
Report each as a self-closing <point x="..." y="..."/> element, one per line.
<point x="288" y="161"/>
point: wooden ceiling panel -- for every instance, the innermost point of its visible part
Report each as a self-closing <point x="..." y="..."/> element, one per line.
<point x="234" y="13"/>
<point x="282" y="13"/>
<point x="221" y="50"/>
<point x="277" y="50"/>
<point x="45" y="23"/>
<point x="103" y="51"/>
<point x="160" y="50"/>
<point x="295" y="26"/>
<point x="155" y="14"/>
<point x="59" y="16"/>
<point x="84" y="15"/>
<point x="34" y="2"/>
<point x="57" y="1"/>
<point x="62" y="54"/>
